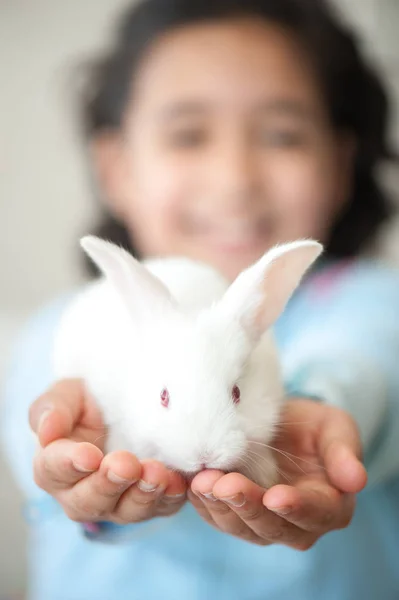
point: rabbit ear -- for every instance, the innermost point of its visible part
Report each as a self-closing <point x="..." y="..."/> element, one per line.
<point x="143" y="294"/>
<point x="260" y="293"/>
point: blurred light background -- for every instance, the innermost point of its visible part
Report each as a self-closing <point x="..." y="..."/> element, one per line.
<point x="45" y="199"/>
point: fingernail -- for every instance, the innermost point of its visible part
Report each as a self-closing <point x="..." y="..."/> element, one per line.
<point x="174" y="497"/>
<point x="82" y="469"/>
<point x="237" y="501"/>
<point x="42" y="418"/>
<point x="208" y="496"/>
<point x="147" y="487"/>
<point x="114" y="478"/>
<point x="281" y="510"/>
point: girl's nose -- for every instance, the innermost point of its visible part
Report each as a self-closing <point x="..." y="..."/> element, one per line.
<point x="235" y="175"/>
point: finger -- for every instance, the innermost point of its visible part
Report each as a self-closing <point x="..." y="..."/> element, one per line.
<point x="222" y="513"/>
<point x="170" y="505"/>
<point x="340" y="450"/>
<point x="96" y="496"/>
<point x="345" y="470"/>
<point x="54" y="414"/>
<point x="246" y="500"/>
<point x="227" y="522"/>
<point x="204" y="500"/>
<point x="202" y="486"/>
<point x="312" y="506"/>
<point x="140" y="502"/>
<point x="174" y="496"/>
<point x="177" y="485"/>
<point x="63" y="463"/>
<point x="200" y="507"/>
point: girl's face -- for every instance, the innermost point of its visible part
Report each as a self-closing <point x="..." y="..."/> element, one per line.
<point x="226" y="147"/>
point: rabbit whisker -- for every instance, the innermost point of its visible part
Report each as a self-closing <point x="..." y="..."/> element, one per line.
<point x="280" y="452"/>
<point x="279" y="471"/>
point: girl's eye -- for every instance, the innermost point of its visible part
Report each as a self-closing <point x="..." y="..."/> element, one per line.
<point x="281" y="138"/>
<point x="165" y="398"/>
<point x="235" y="394"/>
<point x="187" y="138"/>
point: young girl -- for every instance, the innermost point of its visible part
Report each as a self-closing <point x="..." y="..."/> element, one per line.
<point x="218" y="129"/>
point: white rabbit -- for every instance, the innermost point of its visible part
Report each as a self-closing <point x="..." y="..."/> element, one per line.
<point x="182" y="364"/>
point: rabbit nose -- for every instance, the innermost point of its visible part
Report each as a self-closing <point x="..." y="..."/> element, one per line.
<point x="204" y="458"/>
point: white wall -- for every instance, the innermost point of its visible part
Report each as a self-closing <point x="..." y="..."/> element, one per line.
<point x="44" y="192"/>
<point x="44" y="196"/>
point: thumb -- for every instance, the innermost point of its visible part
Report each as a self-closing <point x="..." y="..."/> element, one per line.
<point x="55" y="413"/>
<point x="341" y="452"/>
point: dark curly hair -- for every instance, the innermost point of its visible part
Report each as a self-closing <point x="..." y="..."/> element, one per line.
<point x="354" y="95"/>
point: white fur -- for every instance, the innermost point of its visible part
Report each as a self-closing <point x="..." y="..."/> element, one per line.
<point x="177" y="323"/>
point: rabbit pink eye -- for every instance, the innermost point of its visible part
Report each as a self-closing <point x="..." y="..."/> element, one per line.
<point x="236" y="394"/>
<point x="165" y="398"/>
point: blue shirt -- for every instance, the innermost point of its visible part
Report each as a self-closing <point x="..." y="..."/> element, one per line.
<point x="339" y="341"/>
